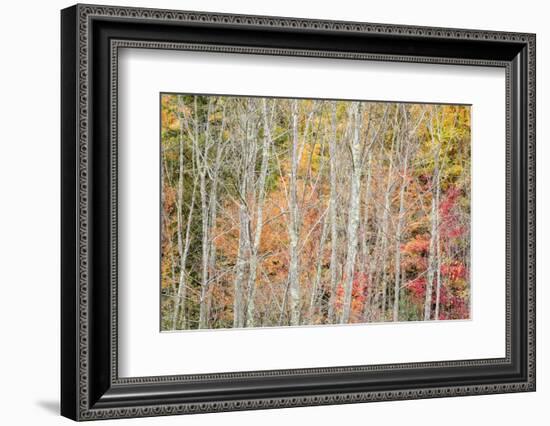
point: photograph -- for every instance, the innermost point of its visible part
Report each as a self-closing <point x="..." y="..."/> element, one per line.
<point x="303" y="212"/>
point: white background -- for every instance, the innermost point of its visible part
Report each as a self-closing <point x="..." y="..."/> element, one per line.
<point x="140" y="343"/>
<point x="29" y="213"/>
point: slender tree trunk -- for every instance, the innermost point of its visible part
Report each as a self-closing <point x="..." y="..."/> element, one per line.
<point x="205" y="247"/>
<point x="434" y="231"/>
<point x="365" y="235"/>
<point x="317" y="281"/>
<point x="182" y="285"/>
<point x="253" y="264"/>
<point x="213" y="215"/>
<point x="438" y="265"/>
<point x="353" y="214"/>
<point x="167" y="234"/>
<point x="294" y="276"/>
<point x="385" y="226"/>
<point x="202" y="160"/>
<point x="333" y="218"/>
<point x="183" y="247"/>
<point x="373" y="277"/>
<point x="283" y="305"/>
<point x="438" y="243"/>
<point x="372" y="254"/>
<point x="243" y="254"/>
<point x="431" y="265"/>
<point x="398" y="232"/>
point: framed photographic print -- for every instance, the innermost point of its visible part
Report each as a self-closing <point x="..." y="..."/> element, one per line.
<point x="263" y="212"/>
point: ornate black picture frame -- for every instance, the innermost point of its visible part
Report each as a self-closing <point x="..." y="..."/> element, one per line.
<point x="90" y="38"/>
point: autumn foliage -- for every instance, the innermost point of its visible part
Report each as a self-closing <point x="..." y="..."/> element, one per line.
<point x="283" y="212"/>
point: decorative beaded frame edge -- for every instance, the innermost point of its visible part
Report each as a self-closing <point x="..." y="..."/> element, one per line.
<point x="84" y="14"/>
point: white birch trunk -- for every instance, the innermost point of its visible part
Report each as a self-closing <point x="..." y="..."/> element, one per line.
<point x="438" y="262"/>
<point x="294" y="277"/>
<point x="384" y="232"/>
<point x="202" y="160"/>
<point x="431" y="265"/>
<point x="438" y="238"/>
<point x="333" y="217"/>
<point x="243" y="255"/>
<point x="368" y="194"/>
<point x="317" y="281"/>
<point x="398" y="232"/>
<point x="365" y="243"/>
<point x="253" y="263"/>
<point x="353" y="213"/>
<point x="183" y="247"/>
<point x="434" y="230"/>
<point x="212" y="217"/>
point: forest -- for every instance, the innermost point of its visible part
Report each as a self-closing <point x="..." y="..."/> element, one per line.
<point x="294" y="212"/>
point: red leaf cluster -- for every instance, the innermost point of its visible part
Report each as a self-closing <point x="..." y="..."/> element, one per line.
<point x="417" y="287"/>
<point x="456" y="270"/>
<point x="451" y="228"/>
<point x="359" y="292"/>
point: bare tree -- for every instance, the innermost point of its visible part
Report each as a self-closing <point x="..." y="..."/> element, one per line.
<point x="294" y="276"/>
<point x="438" y="237"/>
<point x="409" y="147"/>
<point x="212" y="217"/>
<point x="398" y="235"/>
<point x="384" y="230"/>
<point x="202" y="161"/>
<point x="183" y="246"/>
<point x="333" y="199"/>
<point x="248" y="155"/>
<point x="434" y="215"/>
<point x="253" y="263"/>
<point x="353" y="209"/>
